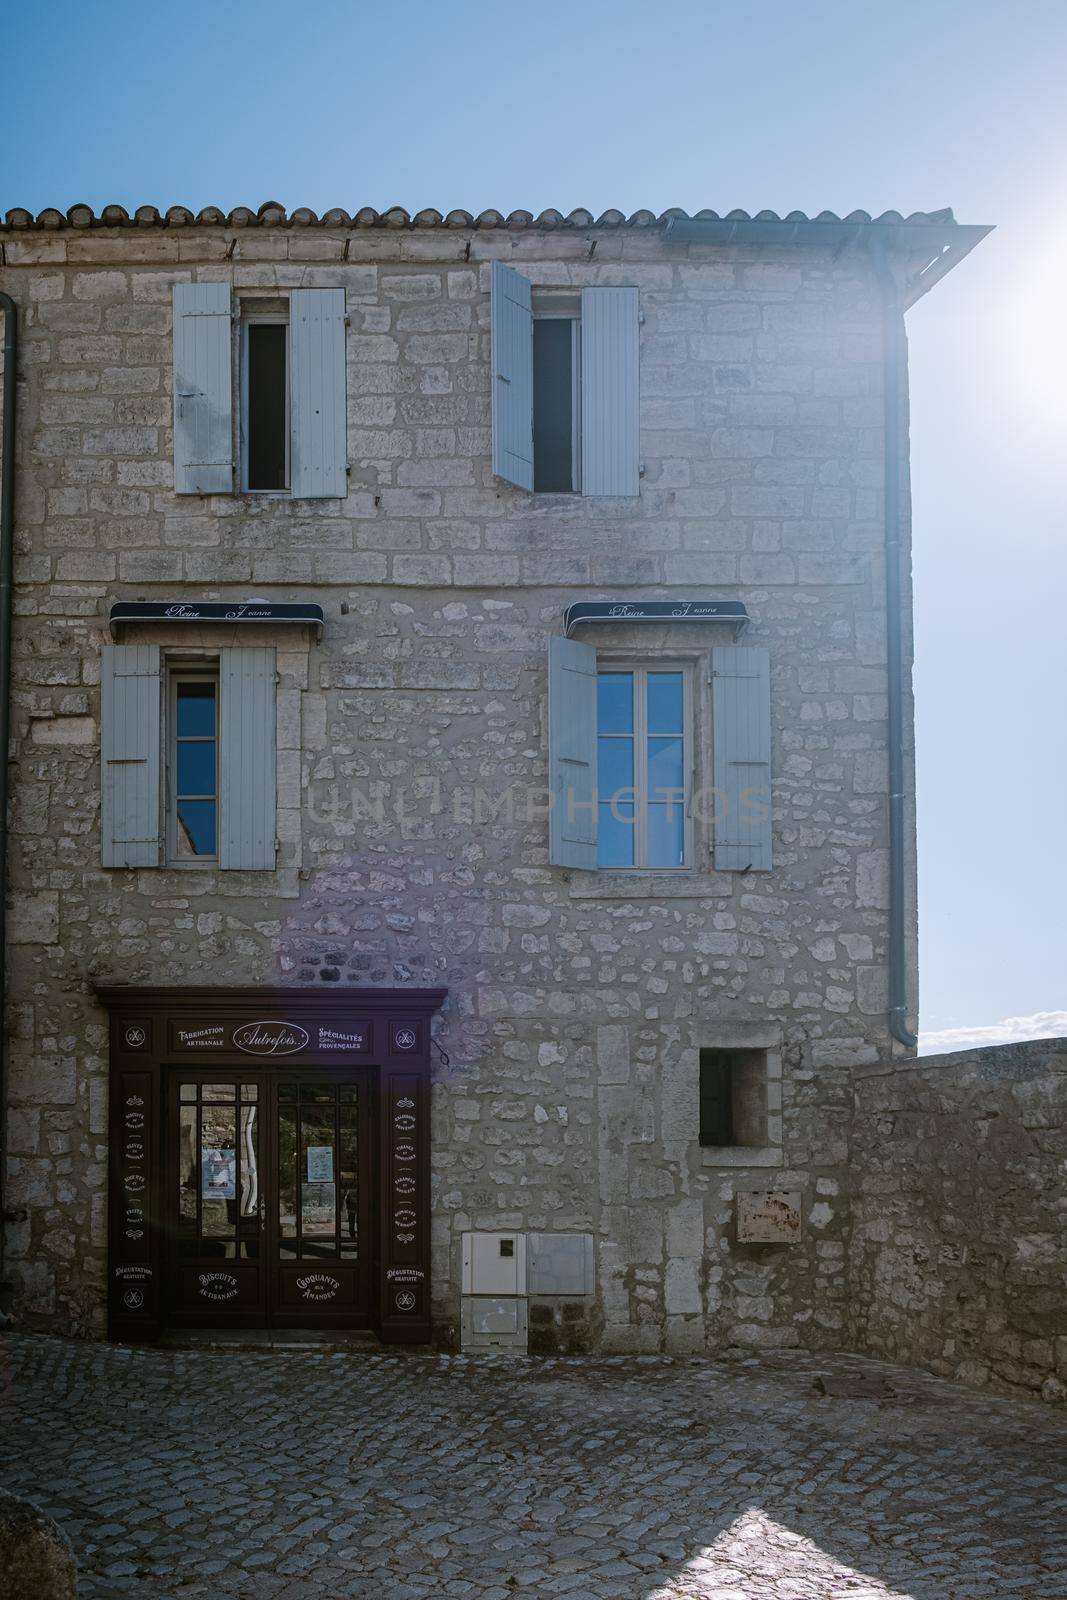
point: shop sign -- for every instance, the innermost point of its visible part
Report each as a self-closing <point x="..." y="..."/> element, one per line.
<point x="271" y="1038"/>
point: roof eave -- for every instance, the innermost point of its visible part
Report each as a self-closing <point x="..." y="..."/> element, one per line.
<point x="947" y="243"/>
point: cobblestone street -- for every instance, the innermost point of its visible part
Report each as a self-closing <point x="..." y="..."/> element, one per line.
<point x="314" y="1476"/>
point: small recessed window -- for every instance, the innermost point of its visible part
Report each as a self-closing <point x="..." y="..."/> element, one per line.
<point x="733" y="1098"/>
<point x="555" y="403"/>
<point x="265" y="402"/>
<point x="193" y="768"/>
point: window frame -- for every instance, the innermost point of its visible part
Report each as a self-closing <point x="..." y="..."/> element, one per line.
<point x="176" y="671"/>
<point x="547" y="306"/>
<point x="248" y="318"/>
<point x="610" y="662"/>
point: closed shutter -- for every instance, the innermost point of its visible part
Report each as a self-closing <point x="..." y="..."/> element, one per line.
<point x="203" y="409"/>
<point x="318" y="393"/>
<point x="130" y="755"/>
<point x="572" y="693"/>
<point x="247" y="763"/>
<point x="611" y="437"/>
<point x="512" y="320"/>
<point x="741" y="751"/>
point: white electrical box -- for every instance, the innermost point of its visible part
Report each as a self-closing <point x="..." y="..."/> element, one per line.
<point x="493" y="1323"/>
<point x="560" y="1263"/>
<point x="494" y="1263"/>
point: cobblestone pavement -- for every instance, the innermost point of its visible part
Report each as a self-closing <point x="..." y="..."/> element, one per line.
<point x="315" y="1476"/>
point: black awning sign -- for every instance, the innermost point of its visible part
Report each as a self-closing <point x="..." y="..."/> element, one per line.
<point x="266" y="611"/>
<point x="730" y="611"/>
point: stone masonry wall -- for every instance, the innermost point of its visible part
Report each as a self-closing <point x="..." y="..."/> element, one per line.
<point x="578" y="1002"/>
<point x="959" y="1236"/>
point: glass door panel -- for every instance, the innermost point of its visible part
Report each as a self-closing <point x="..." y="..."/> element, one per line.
<point x="218" y="1178"/>
<point x="318" y="1171"/>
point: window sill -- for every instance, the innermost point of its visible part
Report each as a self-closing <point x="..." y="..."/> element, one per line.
<point x="651" y="885"/>
<point x="740" y="1155"/>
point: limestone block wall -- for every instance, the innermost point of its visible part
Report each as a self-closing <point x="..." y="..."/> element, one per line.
<point x="578" y="1002"/>
<point x="958" y="1256"/>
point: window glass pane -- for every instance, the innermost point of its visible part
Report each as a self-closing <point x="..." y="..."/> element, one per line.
<point x="318" y="1191"/>
<point x="287" y="1169"/>
<point x="188" y="1091"/>
<point x="196" y="710"/>
<point x="666" y="836"/>
<point x="553" y="406"/>
<point x="196" y="767"/>
<point x="196" y="827"/>
<point x="665" y="771"/>
<point x="268" y="421"/>
<point x="349" y="1177"/>
<point x="615" y="836"/>
<point x="665" y="702"/>
<point x="187" y="1168"/>
<point x="614" y="766"/>
<point x="218" y="1091"/>
<point x="218" y="1170"/>
<point x="249" y="1161"/>
<point x="615" y="702"/>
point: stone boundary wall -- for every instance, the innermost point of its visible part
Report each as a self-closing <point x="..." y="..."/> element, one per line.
<point x="958" y="1257"/>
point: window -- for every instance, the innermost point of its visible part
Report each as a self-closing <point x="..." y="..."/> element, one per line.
<point x="291" y="409"/>
<point x="193" y="767"/>
<point x="189" y="758"/>
<point x="265" y="401"/>
<point x="733" y="1098"/>
<point x="565" y="387"/>
<point x="556" y="397"/>
<point x="642" y="725"/>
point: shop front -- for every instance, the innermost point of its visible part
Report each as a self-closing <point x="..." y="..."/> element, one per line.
<point x="269" y="1160"/>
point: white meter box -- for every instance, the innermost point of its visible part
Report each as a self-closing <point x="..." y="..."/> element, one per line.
<point x="560" y="1263"/>
<point x="494" y="1263"/>
<point x="489" y="1322"/>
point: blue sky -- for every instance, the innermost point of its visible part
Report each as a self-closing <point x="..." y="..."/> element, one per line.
<point x="834" y="104"/>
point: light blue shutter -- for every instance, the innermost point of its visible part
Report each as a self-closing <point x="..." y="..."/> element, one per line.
<point x="318" y="393"/>
<point x="611" y="438"/>
<point x="512" y="320"/>
<point x="741" y="752"/>
<point x="203" y="409"/>
<point x="572" y="753"/>
<point x="129" y="755"/>
<point x="247" y="763"/>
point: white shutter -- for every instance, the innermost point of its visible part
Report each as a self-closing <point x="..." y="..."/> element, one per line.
<point x="572" y="693"/>
<point x="512" y="320"/>
<point x="247" y="763"/>
<point x="129" y="755"/>
<point x="203" y="409"/>
<point x="611" y="439"/>
<point x="741" y="752"/>
<point x="318" y="394"/>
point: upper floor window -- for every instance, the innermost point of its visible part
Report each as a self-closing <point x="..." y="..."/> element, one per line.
<point x="565" y="389"/>
<point x="264" y="400"/>
<point x="291" y="420"/>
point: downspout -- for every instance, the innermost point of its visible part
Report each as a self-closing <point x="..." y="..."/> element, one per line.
<point x="893" y="378"/>
<point x="7" y="534"/>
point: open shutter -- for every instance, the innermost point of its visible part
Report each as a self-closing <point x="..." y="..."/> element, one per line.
<point x="572" y="753"/>
<point x="203" y="408"/>
<point x="512" y="320"/>
<point x="741" y="709"/>
<point x="129" y="755"/>
<point x="247" y="764"/>
<point x="318" y="393"/>
<point x="611" y="437"/>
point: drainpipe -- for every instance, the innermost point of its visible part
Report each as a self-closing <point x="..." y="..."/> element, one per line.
<point x="7" y="534"/>
<point x="893" y="377"/>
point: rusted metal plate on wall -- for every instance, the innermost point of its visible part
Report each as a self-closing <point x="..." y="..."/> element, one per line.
<point x="768" y="1216"/>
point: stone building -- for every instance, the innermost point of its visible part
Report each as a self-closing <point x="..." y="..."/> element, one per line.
<point x="453" y="867"/>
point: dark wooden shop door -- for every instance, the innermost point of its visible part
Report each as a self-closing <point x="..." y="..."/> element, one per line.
<point x="269" y="1214"/>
